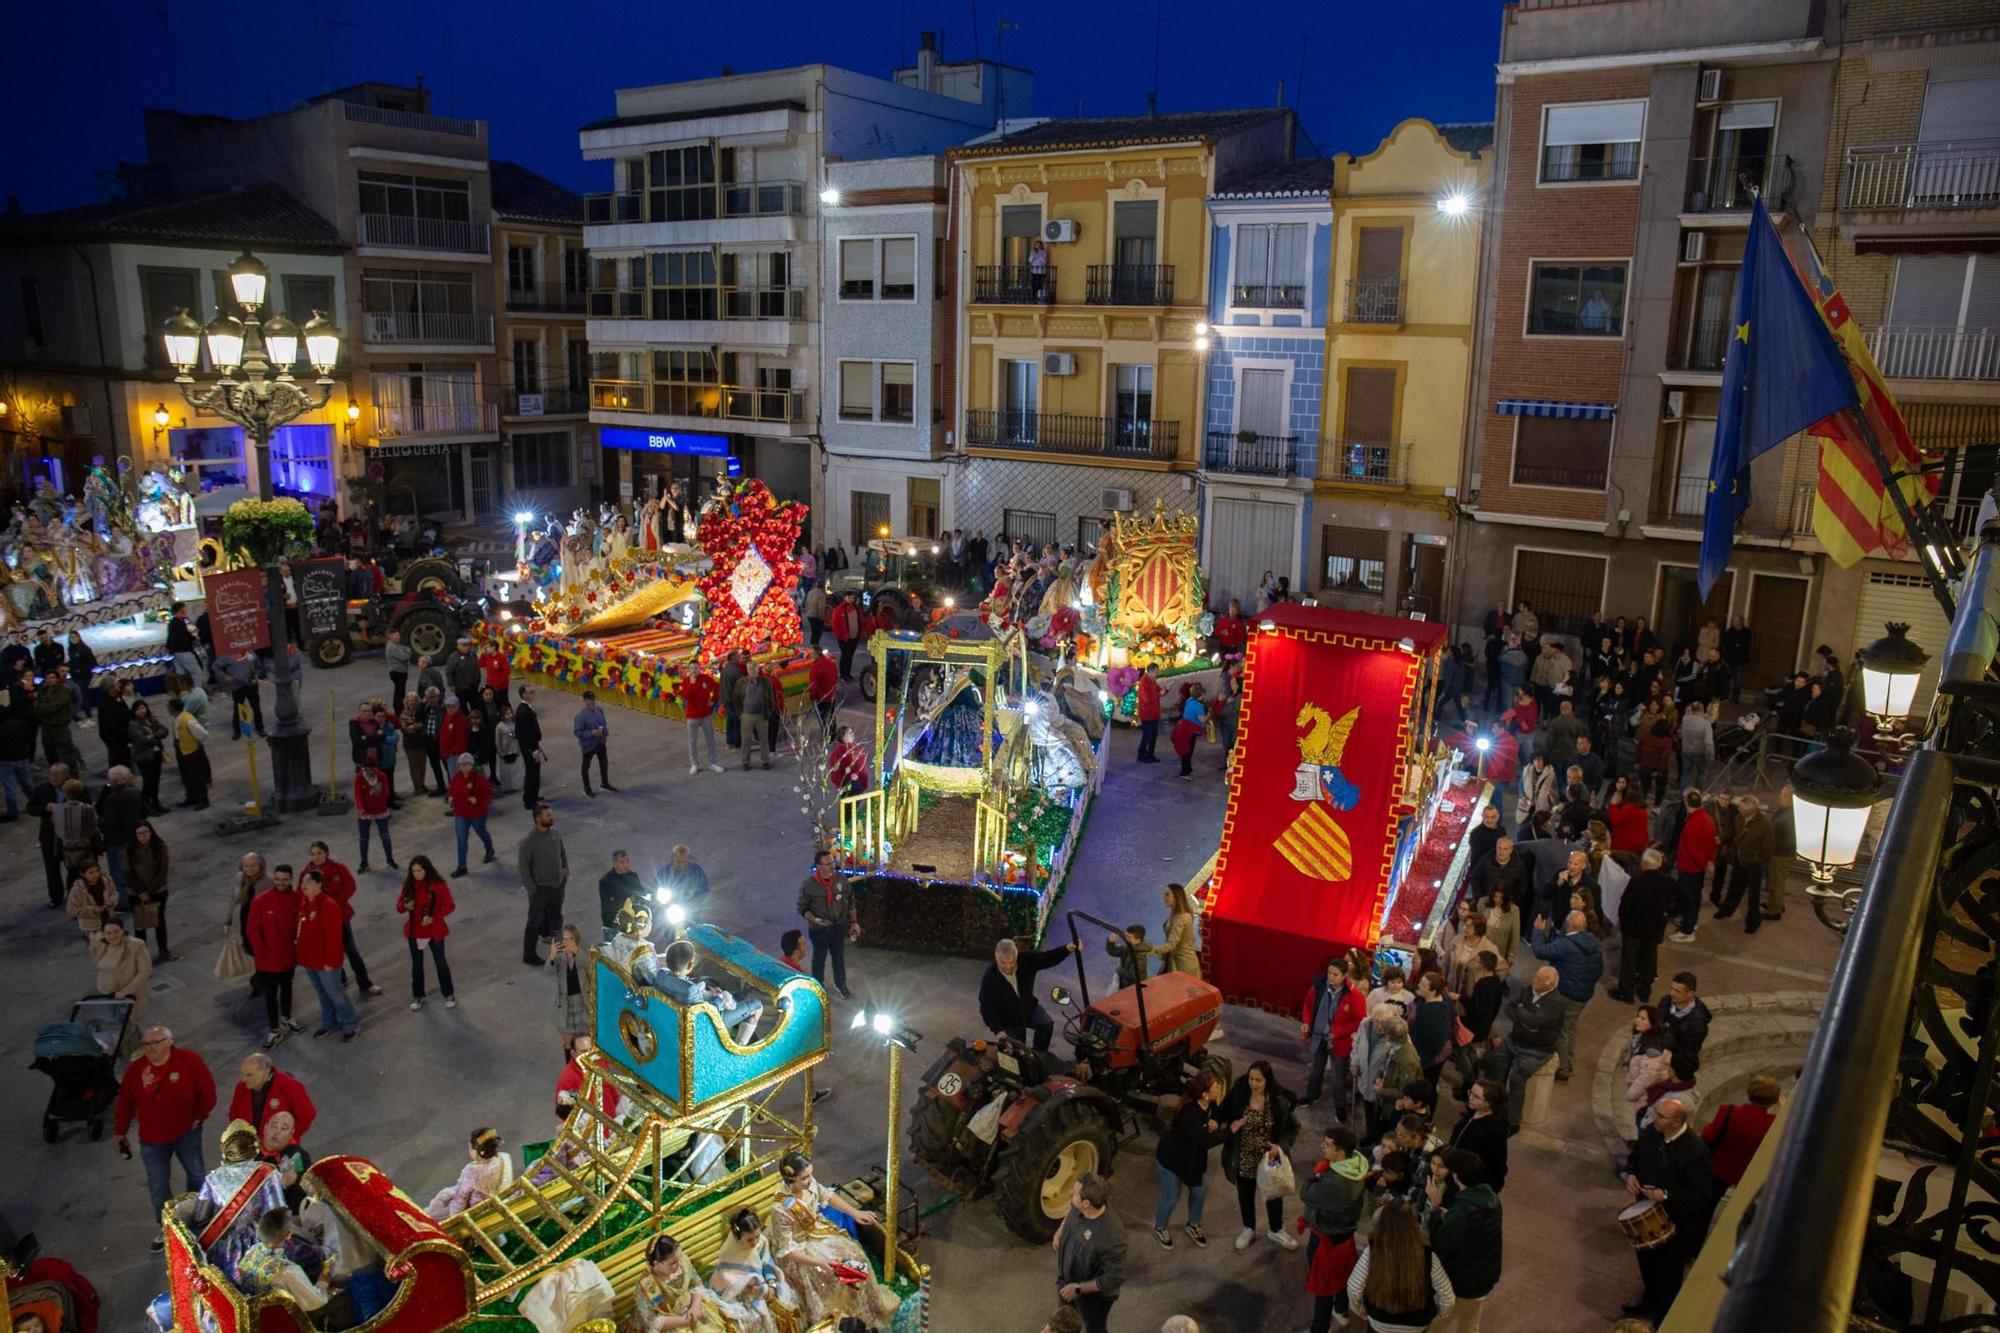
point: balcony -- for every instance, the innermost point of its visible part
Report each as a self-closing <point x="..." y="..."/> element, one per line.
<point x="555" y="400"/>
<point x="1012" y="284"/>
<point x="1913" y="352"/>
<point x="1060" y="433"/>
<point x="617" y="304"/>
<point x="622" y="206"/>
<point x="1774" y="511"/>
<point x="1725" y="184"/>
<point x="786" y="303"/>
<point x="1375" y="301"/>
<point x="1365" y="463"/>
<point x="551" y="300"/>
<point x="1247" y="454"/>
<point x="409" y="120"/>
<point x="1267" y="296"/>
<point x="1908" y="176"/>
<point x="1702" y="346"/>
<point x="714" y="402"/>
<point x="390" y="231"/>
<point x="758" y="199"/>
<point x="426" y="326"/>
<point x="1129" y="284"/>
<point x="1590" y="477"/>
<point x="461" y="415"/>
<point x="764" y="199"/>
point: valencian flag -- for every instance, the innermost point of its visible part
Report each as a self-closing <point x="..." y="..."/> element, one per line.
<point x="1783" y="374"/>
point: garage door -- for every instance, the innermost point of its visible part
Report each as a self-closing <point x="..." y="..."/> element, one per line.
<point x="1245" y="538"/>
<point x="1907" y="599"/>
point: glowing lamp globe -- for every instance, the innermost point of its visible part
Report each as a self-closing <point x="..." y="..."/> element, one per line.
<point x="183" y="339"/>
<point x="281" y="342"/>
<point x="1832" y="793"/>
<point x="1891" y="667"/>
<point x="247" y="279"/>
<point x="225" y="342"/>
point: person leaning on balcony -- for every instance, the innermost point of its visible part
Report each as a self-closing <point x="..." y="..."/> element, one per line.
<point x="1038" y="270"/>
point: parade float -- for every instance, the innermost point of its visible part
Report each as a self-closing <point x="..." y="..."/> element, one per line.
<point x="1345" y="818"/>
<point x="632" y="622"/>
<point x="982" y="775"/>
<point x="103" y="567"/>
<point x="676" y="1127"/>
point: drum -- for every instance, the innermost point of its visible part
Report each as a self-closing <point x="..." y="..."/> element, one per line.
<point x="1646" y="1224"/>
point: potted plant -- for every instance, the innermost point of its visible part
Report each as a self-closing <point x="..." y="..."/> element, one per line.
<point x="267" y="531"/>
<point x="1246" y="437"/>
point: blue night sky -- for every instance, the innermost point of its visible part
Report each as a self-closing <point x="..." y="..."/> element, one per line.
<point x="536" y="71"/>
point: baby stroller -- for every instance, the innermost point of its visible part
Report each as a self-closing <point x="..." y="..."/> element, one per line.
<point x="79" y="1056"/>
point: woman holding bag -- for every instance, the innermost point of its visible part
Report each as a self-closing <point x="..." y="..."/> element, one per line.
<point x="146" y="865"/>
<point x="1262" y="1125"/>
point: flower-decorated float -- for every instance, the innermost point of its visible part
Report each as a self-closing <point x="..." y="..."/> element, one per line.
<point x="633" y="622"/>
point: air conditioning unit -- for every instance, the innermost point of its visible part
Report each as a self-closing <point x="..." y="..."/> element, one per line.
<point x="1118" y="502"/>
<point x="1058" y="363"/>
<point x="1059" y="231"/>
<point x="1675" y="400"/>
<point x="1693" y="246"/>
<point x="1710" y="88"/>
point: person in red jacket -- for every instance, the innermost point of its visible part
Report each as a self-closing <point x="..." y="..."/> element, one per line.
<point x="454" y="734"/>
<point x="321" y="919"/>
<point x="847" y="764"/>
<point x="1334" y="1011"/>
<point x="569" y="1083"/>
<point x="1231" y="631"/>
<point x="471" y="798"/>
<point x="263" y="1091"/>
<point x="1693" y="855"/>
<point x="371" y="807"/>
<point x="822" y="686"/>
<point x="1148" y="713"/>
<point x="1736" y="1131"/>
<point x="424" y="903"/>
<point x="699" y="692"/>
<point x="339" y="882"/>
<point x="847" y="632"/>
<point x="170" y="1093"/>
<point x="1654" y="757"/>
<point x="495" y="669"/>
<point x="274" y="933"/>
<point x="1626" y="816"/>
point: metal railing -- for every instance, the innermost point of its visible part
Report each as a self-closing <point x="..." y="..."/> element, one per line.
<point x="1726" y="184"/>
<point x="608" y="304"/>
<point x="1773" y="511"/>
<point x="433" y="418"/>
<point x="1269" y="296"/>
<point x="1247" y="454"/>
<point x="1903" y="1065"/>
<point x="1012" y="284"/>
<point x="1573" y="478"/>
<point x="393" y="231"/>
<point x="1375" y="301"/>
<point x="713" y="402"/>
<point x="764" y="199"/>
<point x="1061" y="433"/>
<point x="1128" y="284"/>
<point x="787" y="303"/>
<point x="409" y="120"/>
<point x="546" y="298"/>
<point x="1703" y="345"/>
<point x="1961" y="174"/>
<point x="621" y="396"/>
<point x="615" y="206"/>
<point x="1910" y="351"/>
<point x="426" y="326"/>
<point x="1365" y="462"/>
<point x="1960" y="515"/>
<point x="552" y="400"/>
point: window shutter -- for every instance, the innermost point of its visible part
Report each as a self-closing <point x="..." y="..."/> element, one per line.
<point x="1929" y="289"/>
<point x="1371" y="406"/>
<point x="1596" y="122"/>
<point x="1961" y="103"/>
<point x="1380" y="257"/>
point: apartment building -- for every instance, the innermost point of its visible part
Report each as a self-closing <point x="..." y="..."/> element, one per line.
<point x="1630" y="135"/>
<point x="410" y="196"/>
<point x="1081" y="249"/>
<point x="883" y="350"/>
<point x="83" y="370"/>
<point x="704" y="323"/>
<point x="541" y="275"/>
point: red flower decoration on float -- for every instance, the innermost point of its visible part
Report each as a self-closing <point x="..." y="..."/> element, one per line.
<point x="749" y="536"/>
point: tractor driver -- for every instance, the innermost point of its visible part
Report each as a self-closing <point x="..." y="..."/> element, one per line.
<point x="1007" y="1001"/>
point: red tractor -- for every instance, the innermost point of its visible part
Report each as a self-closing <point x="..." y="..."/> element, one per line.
<point x="999" y="1117"/>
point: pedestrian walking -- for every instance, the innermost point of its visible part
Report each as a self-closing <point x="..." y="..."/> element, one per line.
<point x="1334" y="1011"/>
<point x="569" y="961"/>
<point x="1090" y="1252"/>
<point x="543" y="863"/>
<point x="273" y="925"/>
<point x="827" y="904"/>
<point x="148" y="740"/>
<point x="400" y="658"/>
<point x="321" y="952"/>
<point x="699" y="690"/>
<point x="1182" y="1158"/>
<point x="146" y="868"/>
<point x="847" y="632"/>
<point x="1263" y="1124"/>
<point x="1535" y="1022"/>
<point x="593" y="738"/>
<point x="471" y="798"/>
<point x="1578" y="959"/>
<point x="170" y="1094"/>
<point x="1753" y="849"/>
<point x="1147" y="711"/>
<point x="528" y="731"/>
<point x="189" y="734"/>
<point x="823" y="687"/>
<point x="454" y="738"/>
<point x="114" y="723"/>
<point x="1193" y="725"/>
<point x="1694" y="853"/>
<point x="339" y="883"/>
<point x="731" y="697"/>
<point x="120" y="808"/>
<point x="416" y="740"/>
<point x="506" y="752"/>
<point x="754" y="704"/>
<point x="371" y="809"/>
<point x="424" y="904"/>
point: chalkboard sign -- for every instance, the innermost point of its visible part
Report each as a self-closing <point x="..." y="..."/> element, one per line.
<point x="322" y="586"/>
<point x="238" y="615"/>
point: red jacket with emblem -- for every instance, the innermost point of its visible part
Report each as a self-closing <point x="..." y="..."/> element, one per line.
<point x="274" y="930"/>
<point x="698" y="696"/>
<point x="371" y="794"/>
<point x="338" y="881"/>
<point x="424" y="907"/>
<point x="454" y="734"/>
<point x="471" y="794"/>
<point x="282" y="1093"/>
<point x="167" y="1100"/>
<point x="320" y="920"/>
<point x="822" y="679"/>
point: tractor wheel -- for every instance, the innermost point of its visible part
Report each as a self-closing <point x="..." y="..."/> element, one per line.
<point x="1033" y="1181"/>
<point x="1217" y="1068"/>
<point x="429" y="632"/>
<point x="933" y="1125"/>
<point x="330" y="650"/>
<point x="868" y="682"/>
<point x="432" y="575"/>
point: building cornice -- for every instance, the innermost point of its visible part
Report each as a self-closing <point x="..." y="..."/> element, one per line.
<point x="1794" y="49"/>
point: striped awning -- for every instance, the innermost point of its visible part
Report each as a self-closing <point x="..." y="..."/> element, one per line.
<point x="1545" y="407"/>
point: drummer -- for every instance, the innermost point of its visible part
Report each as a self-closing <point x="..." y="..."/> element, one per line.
<point x="1670" y="1168"/>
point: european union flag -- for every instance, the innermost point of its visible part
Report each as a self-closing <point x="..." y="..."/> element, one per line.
<point x="1782" y="374"/>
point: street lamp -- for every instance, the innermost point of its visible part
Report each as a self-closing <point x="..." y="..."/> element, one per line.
<point x="1833" y="790"/>
<point x="889" y="1030"/>
<point x="253" y="358"/>
<point x="1890" y="669"/>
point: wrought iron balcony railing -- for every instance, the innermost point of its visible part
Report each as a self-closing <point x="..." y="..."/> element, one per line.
<point x="1375" y="301"/>
<point x="1129" y="284"/>
<point x="1012" y="284"/>
<point x="1247" y="454"/>
<point x="426" y="326"/>
<point x="1061" y="433"/>
<point x="1365" y="462"/>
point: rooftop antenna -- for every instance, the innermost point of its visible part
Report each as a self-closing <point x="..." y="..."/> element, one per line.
<point x="1299" y="89"/>
<point x="450" y="74"/>
<point x="166" y="18"/>
<point x="1000" y="58"/>
<point x="1153" y="98"/>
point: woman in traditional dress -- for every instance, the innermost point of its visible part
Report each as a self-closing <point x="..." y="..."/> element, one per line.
<point x="749" y="1278"/>
<point x="670" y="1297"/>
<point x="488" y="1170"/>
<point x="812" y="1251"/>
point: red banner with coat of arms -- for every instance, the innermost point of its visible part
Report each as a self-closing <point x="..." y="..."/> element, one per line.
<point x="1314" y="800"/>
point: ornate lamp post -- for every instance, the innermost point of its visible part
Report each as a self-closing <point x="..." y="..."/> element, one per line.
<point x="1890" y="670"/>
<point x="1833" y="790"/>
<point x="253" y="358"/>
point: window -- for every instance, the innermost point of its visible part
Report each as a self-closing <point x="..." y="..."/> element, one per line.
<point x="1743" y="136"/>
<point x="521" y="270"/>
<point x="680" y="184"/>
<point x="419" y="307"/>
<point x="683" y="283"/>
<point x="1134" y="233"/>
<point x="1020" y="387"/>
<point x="869" y="515"/>
<point x="899" y="391"/>
<point x="527" y="365"/>
<point x="857" y="391"/>
<point x="31" y="310"/>
<point x="857" y="270"/>
<point x="685" y="383"/>
<point x="1089" y="532"/>
<point x="576" y="272"/>
<point x="161" y="292"/>
<point x="305" y="295"/>
<point x="541" y="460"/>
<point x="1037" y="527"/>
<point x="1132" y="407"/>
<point x="1376" y="294"/>
<point x="416" y="197"/>
<point x="302" y="460"/>
<point x="1369" y="414"/>
<point x="577" y="354"/>
<point x="1270" y="267"/>
<point x="1354" y="560"/>
<point x="1943" y="318"/>
<point x="899" y="268"/>
<point x="1577" y="300"/>
<point x="1020" y="228"/>
<point x="1551" y="451"/>
<point x="427" y="398"/>
<point x="1563" y="588"/>
<point x="1592" y="141"/>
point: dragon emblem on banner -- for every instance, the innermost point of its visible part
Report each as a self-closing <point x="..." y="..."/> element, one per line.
<point x="1315" y="843"/>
